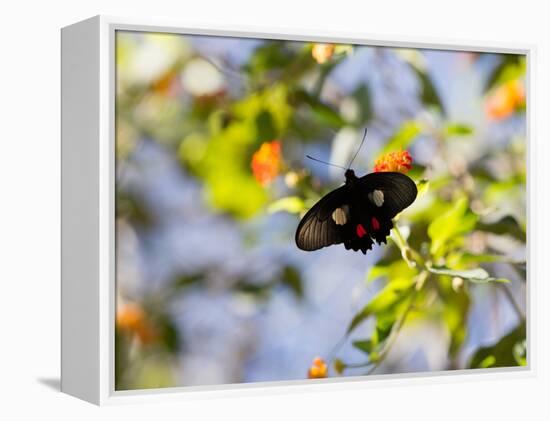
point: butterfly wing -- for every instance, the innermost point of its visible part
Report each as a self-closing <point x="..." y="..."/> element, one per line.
<point x="317" y="229"/>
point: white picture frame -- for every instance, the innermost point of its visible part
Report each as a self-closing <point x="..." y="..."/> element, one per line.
<point x="88" y="238"/>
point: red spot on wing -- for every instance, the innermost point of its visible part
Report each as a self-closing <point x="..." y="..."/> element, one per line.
<point x="375" y="224"/>
<point x="361" y="231"/>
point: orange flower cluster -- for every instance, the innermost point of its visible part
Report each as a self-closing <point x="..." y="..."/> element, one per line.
<point x="131" y="319"/>
<point x="322" y="52"/>
<point x="505" y="99"/>
<point x="318" y="370"/>
<point x="267" y="162"/>
<point x="398" y="161"/>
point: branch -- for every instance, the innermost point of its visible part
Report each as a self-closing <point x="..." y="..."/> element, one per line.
<point x="513" y="302"/>
<point x="407" y="251"/>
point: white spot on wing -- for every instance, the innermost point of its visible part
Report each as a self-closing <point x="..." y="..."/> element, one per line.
<point x="340" y="215"/>
<point x="377" y="197"/>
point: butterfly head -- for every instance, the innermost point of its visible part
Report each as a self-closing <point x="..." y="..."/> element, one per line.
<point x="350" y="175"/>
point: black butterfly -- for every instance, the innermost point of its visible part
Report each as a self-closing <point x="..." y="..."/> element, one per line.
<point x="358" y="213"/>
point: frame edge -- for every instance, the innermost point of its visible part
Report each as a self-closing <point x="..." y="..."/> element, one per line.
<point x="80" y="311"/>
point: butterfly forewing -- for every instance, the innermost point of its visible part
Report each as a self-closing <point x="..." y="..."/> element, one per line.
<point x="317" y="229"/>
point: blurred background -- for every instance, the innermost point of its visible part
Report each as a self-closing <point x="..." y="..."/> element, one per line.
<point x="211" y="181"/>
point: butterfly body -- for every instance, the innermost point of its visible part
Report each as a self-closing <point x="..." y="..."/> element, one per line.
<point x="357" y="214"/>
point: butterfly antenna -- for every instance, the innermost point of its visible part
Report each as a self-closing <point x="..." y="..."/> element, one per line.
<point x="358" y="149"/>
<point x="324" y="162"/>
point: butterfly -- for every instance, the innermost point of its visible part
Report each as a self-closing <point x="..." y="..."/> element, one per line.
<point x="358" y="213"/>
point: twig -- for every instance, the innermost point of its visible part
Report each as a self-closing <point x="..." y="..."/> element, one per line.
<point x="337" y="347"/>
<point x="359" y="365"/>
<point x="513" y="302"/>
<point x="407" y="250"/>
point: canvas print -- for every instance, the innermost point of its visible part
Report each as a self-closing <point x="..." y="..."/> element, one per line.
<point x="305" y="211"/>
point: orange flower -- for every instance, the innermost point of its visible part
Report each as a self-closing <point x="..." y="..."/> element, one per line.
<point x="267" y="162"/>
<point x="166" y="83"/>
<point x="131" y="319"/>
<point x="505" y="99"/>
<point x="318" y="369"/>
<point x="399" y="161"/>
<point x="322" y="52"/>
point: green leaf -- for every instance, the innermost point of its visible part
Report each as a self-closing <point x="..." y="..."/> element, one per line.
<point x="512" y="67"/>
<point x="520" y="353"/>
<point x="488" y="361"/>
<point x="422" y="187"/>
<point x="377" y="271"/>
<point x="323" y="113"/>
<point x="273" y="100"/>
<point x="291" y="278"/>
<point x="428" y="94"/>
<point x="154" y="372"/>
<point x="265" y="126"/>
<point x="489" y="279"/>
<point x="169" y="333"/>
<point x="465" y="258"/>
<point x="387" y="300"/>
<point x="132" y="208"/>
<point x="450" y="224"/>
<point x="224" y="166"/>
<point x="339" y="365"/>
<point x="260" y="291"/>
<point x="396" y="270"/>
<point x="345" y="49"/>
<point x="290" y="204"/>
<point x="384" y="325"/>
<point x="455" y="316"/>
<point x="403" y="137"/>
<point x="365" y="345"/>
<point x="184" y="281"/>
<point x="363" y="97"/>
<point x="477" y="275"/>
<point x="222" y="158"/>
<point x="383" y="328"/>
<point x="504" y="190"/>
<point x="504" y="353"/>
<point x="507" y="225"/>
<point x="269" y="56"/>
<point x="457" y="129"/>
